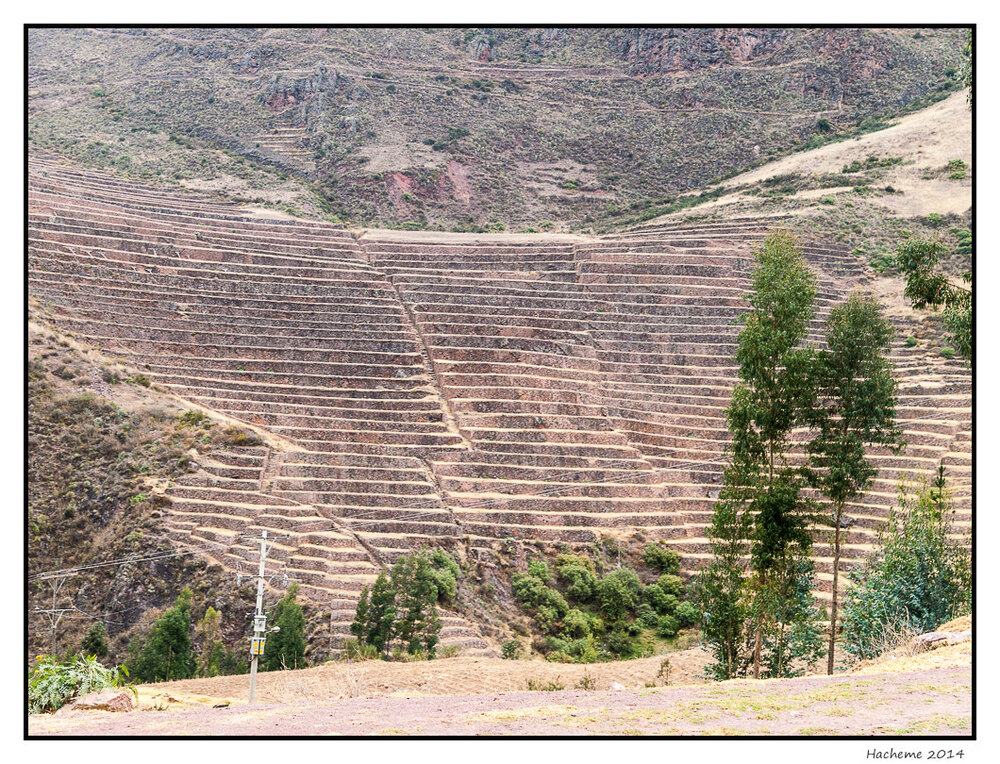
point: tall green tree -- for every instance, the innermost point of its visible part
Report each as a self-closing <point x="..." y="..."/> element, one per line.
<point x="285" y="648"/>
<point x="855" y="409"/>
<point x="375" y="616"/>
<point x="928" y="287"/>
<point x="166" y="652"/>
<point x="761" y="493"/>
<point x="417" y="623"/>
<point x="722" y="590"/>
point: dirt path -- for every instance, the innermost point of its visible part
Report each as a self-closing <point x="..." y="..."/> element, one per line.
<point x="452" y="676"/>
<point x="931" y="701"/>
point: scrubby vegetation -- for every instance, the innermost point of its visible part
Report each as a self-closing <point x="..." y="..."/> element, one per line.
<point x="54" y="683"/>
<point x="585" y="617"/>
<point x="213" y="127"/>
<point x="918" y="577"/>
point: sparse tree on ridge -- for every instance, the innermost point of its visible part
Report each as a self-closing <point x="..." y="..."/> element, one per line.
<point x="855" y="408"/>
<point x="930" y="288"/>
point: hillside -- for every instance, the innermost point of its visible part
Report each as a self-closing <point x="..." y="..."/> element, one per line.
<point x="375" y="290"/>
<point x="467" y="129"/>
<point x="497" y="395"/>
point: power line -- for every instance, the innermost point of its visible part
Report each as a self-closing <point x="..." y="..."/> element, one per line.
<point x="51" y="574"/>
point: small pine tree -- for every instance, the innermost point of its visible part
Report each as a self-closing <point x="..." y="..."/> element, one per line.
<point x="415" y="583"/>
<point x="375" y="616"/>
<point x="95" y="642"/>
<point x="166" y="652"/>
<point x="285" y="649"/>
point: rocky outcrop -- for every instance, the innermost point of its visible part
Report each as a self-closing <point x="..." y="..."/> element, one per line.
<point x="665" y="51"/>
<point x="105" y="700"/>
<point x="281" y="93"/>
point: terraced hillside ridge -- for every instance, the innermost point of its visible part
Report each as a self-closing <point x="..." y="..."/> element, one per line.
<point x="283" y="326"/>
<point x="466" y="128"/>
<point x="444" y="389"/>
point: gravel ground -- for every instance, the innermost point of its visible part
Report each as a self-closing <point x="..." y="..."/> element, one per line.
<point x="933" y="701"/>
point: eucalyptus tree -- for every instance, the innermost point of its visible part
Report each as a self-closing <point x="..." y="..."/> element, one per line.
<point x="761" y="508"/>
<point x="855" y="408"/>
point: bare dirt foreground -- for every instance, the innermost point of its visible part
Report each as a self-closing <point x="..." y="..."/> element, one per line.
<point x="927" y="695"/>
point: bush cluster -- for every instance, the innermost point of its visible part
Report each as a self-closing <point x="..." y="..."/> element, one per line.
<point x="919" y="575"/>
<point x="587" y="618"/>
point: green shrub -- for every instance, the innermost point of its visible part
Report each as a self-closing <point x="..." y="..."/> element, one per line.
<point x="539" y="570"/>
<point x="667" y="627"/>
<point x="947" y="352"/>
<point x="583" y="650"/>
<point x="625" y="642"/>
<point x="53" y="683"/>
<point x="687" y="614"/>
<point x="828" y="200"/>
<point x="581" y="582"/>
<point x="618" y="593"/>
<point x="192" y="418"/>
<point x="918" y="576"/>
<point x="659" y="600"/>
<point x="354" y="650"/>
<point x="911" y="341"/>
<point x="934" y="220"/>
<point x="582" y="561"/>
<point x="646" y="616"/>
<point x="661" y="559"/>
<point x="511" y="651"/>
<point x="671" y="585"/>
<point x="239" y="438"/>
<point x="957" y="168"/>
<point x="575" y="625"/>
<point x="446" y="573"/>
<point x="531" y="591"/>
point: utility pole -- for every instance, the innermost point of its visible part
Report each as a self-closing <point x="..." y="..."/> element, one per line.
<point x="259" y="619"/>
<point x="54" y="614"/>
